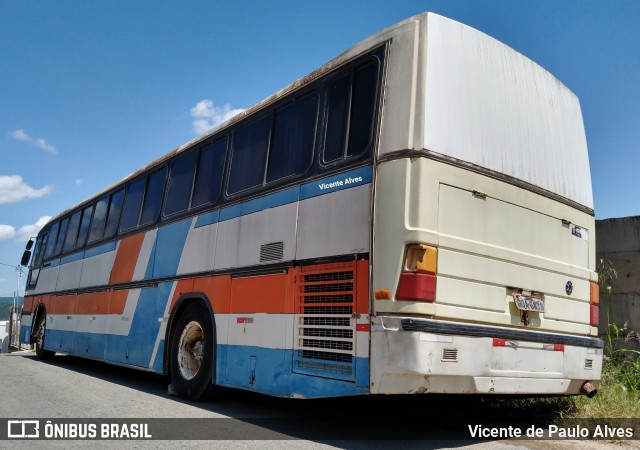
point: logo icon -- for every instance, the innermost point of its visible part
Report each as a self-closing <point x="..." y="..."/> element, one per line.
<point x="568" y="288"/>
<point x="23" y="429"/>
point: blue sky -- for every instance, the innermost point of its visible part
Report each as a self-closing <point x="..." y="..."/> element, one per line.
<point x="91" y="90"/>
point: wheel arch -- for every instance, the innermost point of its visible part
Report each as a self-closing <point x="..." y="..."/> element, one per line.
<point x="39" y="311"/>
<point x="182" y="303"/>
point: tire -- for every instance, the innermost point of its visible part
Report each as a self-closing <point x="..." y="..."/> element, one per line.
<point x="193" y="347"/>
<point x="38" y="338"/>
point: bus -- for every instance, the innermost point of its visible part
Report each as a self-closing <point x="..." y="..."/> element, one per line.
<point x="415" y="216"/>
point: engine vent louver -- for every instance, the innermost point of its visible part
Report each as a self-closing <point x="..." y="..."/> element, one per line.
<point x="450" y="354"/>
<point x="588" y="364"/>
<point x="272" y="252"/>
<point x="325" y="326"/>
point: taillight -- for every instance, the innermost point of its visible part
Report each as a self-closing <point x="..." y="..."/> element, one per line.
<point x="418" y="278"/>
<point x="594" y="305"/>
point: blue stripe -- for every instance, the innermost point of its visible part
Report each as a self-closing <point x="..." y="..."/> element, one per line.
<point x="208" y="219"/>
<point x="78" y="256"/>
<point x="168" y="248"/>
<point x="25" y="334"/>
<point x="272" y="374"/>
<point x="259" y="204"/>
<point x="52" y="263"/>
<point x="100" y="249"/>
<point x="345" y="180"/>
<point x="270" y="369"/>
<point x="136" y="348"/>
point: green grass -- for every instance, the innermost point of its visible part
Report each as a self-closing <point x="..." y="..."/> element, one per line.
<point x="618" y="394"/>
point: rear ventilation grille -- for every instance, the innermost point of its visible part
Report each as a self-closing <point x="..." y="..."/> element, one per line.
<point x="588" y="364"/>
<point x="272" y="252"/>
<point x="325" y="326"/>
<point x="450" y="354"/>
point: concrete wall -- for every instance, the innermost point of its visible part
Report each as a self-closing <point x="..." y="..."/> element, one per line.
<point x="618" y="240"/>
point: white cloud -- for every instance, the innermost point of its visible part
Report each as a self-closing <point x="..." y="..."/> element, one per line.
<point x="14" y="189"/>
<point x="28" y="231"/>
<point x="78" y="182"/>
<point x="206" y="115"/>
<point x="21" y="135"/>
<point x="7" y="232"/>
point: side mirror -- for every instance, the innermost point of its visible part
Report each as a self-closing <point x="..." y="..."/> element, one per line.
<point x="26" y="256"/>
<point x="29" y="244"/>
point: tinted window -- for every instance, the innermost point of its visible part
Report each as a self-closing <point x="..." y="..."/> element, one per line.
<point x="209" y="174"/>
<point x="153" y="197"/>
<point x="180" y="184"/>
<point x="249" y="156"/>
<point x="339" y="102"/>
<point x="84" y="226"/>
<point x="52" y="240"/>
<point x="114" y="213"/>
<point x="99" y="217"/>
<point x="351" y="113"/>
<point x="41" y="244"/>
<point x="132" y="205"/>
<point x="61" y="234"/>
<point x="362" y="109"/>
<point x="293" y="136"/>
<point x="72" y="231"/>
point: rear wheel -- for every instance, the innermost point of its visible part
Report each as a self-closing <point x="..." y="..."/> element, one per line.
<point x="38" y="337"/>
<point x="192" y="354"/>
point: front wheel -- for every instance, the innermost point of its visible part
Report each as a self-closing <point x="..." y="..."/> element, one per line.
<point x="192" y="354"/>
<point x="38" y="337"/>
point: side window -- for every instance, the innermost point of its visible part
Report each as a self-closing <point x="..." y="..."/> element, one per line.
<point x="113" y="216"/>
<point x="362" y="109"/>
<point x="339" y="102"/>
<point x="153" y="197"/>
<point x="51" y="244"/>
<point x="250" y="146"/>
<point x="132" y="204"/>
<point x="180" y="184"/>
<point x="84" y="226"/>
<point x="41" y="244"/>
<point x="99" y="217"/>
<point x="72" y="231"/>
<point x="351" y="113"/>
<point x="293" y="137"/>
<point x="209" y="174"/>
<point x="64" y="224"/>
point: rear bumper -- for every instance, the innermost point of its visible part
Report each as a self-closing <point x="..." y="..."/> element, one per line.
<point x="410" y="355"/>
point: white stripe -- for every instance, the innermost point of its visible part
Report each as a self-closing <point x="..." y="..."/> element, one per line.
<point x="145" y="255"/>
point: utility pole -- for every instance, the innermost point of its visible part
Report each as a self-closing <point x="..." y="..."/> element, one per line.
<point x="16" y="294"/>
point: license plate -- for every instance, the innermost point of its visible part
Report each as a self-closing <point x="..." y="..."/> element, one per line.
<point x="528" y="303"/>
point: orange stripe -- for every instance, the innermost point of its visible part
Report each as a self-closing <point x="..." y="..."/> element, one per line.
<point x="245" y="295"/>
<point x="117" y="300"/>
<point x="362" y="287"/>
<point x="93" y="303"/>
<point x="217" y="289"/>
<point x="261" y="294"/>
<point x="63" y="305"/>
<point x="126" y="259"/>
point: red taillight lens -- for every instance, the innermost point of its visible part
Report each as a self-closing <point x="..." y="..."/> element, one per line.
<point x="594" y="305"/>
<point x="417" y="286"/>
<point x="594" y="315"/>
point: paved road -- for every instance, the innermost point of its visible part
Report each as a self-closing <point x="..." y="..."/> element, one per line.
<point x="73" y="390"/>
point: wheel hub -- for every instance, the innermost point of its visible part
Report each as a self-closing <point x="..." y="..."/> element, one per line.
<point x="191" y="350"/>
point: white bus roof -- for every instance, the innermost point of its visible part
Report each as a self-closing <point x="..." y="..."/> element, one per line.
<point x="488" y="105"/>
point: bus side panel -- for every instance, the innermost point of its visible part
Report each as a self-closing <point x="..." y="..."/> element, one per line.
<point x="244" y="232"/>
<point x="97" y="265"/>
<point x="335" y="215"/>
<point x="200" y="247"/>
